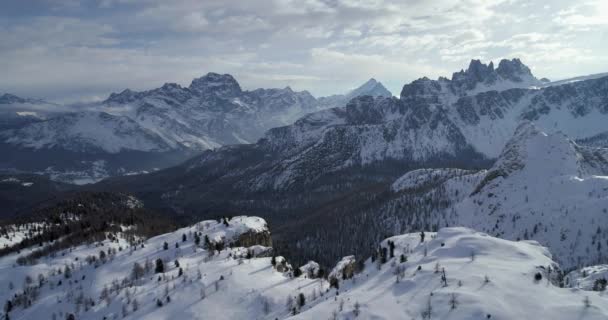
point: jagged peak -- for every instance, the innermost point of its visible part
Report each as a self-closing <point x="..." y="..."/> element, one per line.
<point x="513" y="70"/>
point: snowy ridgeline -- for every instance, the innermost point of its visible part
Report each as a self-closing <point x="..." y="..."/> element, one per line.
<point x="456" y="273"/>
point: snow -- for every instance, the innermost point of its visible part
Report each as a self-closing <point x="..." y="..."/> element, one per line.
<point x="246" y="284"/>
<point x="543" y="186"/>
<point x="511" y="292"/>
<point x="238" y="288"/>
<point x="15" y="180"/>
<point x="584" y="278"/>
<point x="422" y="177"/>
<point x="14" y="234"/>
<point x="336" y="272"/>
<point x="310" y="269"/>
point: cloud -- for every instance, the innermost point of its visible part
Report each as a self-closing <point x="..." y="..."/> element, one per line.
<point x="70" y="50"/>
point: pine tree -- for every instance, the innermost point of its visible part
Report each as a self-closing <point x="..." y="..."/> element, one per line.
<point x="391" y="246"/>
<point x="301" y="300"/>
<point x="160" y="267"/>
<point x="8" y="306"/>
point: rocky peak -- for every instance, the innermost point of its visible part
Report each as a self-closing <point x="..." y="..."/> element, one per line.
<point x="371" y="88"/>
<point x="223" y="85"/>
<point x="513" y="70"/>
<point x="421" y="89"/>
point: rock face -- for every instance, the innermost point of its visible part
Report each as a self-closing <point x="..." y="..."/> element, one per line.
<point x="344" y="269"/>
<point x="252" y="238"/>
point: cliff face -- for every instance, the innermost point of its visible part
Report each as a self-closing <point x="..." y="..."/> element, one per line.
<point x="252" y="238"/>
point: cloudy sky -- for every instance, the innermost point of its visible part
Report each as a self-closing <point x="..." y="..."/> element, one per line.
<point x="66" y="50"/>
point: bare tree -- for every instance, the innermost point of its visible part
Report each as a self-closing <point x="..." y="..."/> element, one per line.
<point x="428" y="311"/>
<point x="453" y="301"/>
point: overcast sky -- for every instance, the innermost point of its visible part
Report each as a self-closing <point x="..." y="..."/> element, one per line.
<point x="66" y="50"/>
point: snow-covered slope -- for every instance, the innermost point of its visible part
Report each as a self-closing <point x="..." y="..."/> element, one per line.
<point x="498" y="282"/>
<point x="548" y="188"/>
<point x="543" y="187"/>
<point x="86" y="132"/>
<point x="485" y="277"/>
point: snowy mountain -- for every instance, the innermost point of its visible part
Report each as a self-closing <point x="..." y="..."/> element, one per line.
<point x="163" y="126"/>
<point x="339" y="164"/>
<point x="206" y="271"/>
<point x="543" y="187"/>
<point x="547" y="188"/>
<point x="16" y="112"/>
<point x="371" y="88"/>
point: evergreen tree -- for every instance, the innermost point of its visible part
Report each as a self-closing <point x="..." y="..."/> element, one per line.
<point x="160" y="267"/>
<point x="301" y="300"/>
<point x="8" y="306"/>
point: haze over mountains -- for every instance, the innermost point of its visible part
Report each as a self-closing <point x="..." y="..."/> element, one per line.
<point x="143" y="131"/>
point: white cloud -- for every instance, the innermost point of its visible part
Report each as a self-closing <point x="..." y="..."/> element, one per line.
<point x="325" y="46"/>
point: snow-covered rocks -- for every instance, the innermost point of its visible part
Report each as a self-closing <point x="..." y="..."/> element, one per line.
<point x="588" y="278"/>
<point x="240" y="231"/>
<point x="311" y="269"/>
<point x="344" y="269"/>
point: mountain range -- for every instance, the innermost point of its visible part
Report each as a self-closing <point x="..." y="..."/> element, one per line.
<point x="134" y="132"/>
<point x="446" y="202"/>
<point x="339" y="164"/>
